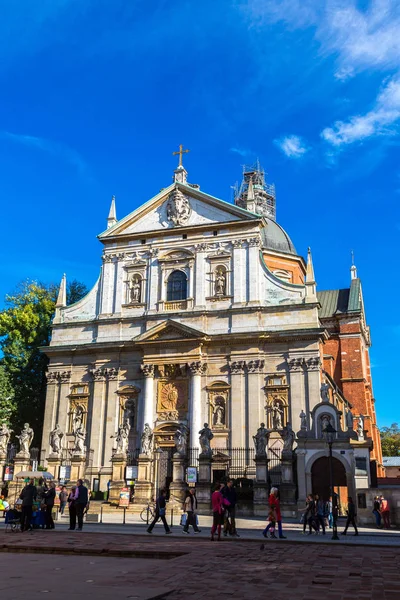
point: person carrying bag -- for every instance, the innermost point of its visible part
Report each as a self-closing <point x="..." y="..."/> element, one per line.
<point x="190" y="506"/>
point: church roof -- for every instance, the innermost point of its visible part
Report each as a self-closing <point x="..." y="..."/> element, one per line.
<point x="336" y="302"/>
<point x="274" y="237"/>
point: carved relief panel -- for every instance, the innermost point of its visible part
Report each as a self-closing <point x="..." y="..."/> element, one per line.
<point x="172" y="399"/>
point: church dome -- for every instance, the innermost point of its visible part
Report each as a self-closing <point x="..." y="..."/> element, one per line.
<point x="274" y="237"/>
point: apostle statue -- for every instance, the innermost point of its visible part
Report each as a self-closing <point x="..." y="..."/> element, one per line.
<point x="276" y="415"/>
<point x="349" y="419"/>
<point x="324" y="391"/>
<point x="78" y="418"/>
<point x="79" y="441"/>
<point x="147" y="440"/>
<point x="180" y="438"/>
<point x="360" y="426"/>
<point x="288" y="436"/>
<point x="206" y="435"/>
<point x="303" y="420"/>
<point x="55" y="439"/>
<point x="261" y="441"/>
<point x="122" y="437"/>
<point x="25" y="439"/>
<point x="218" y="411"/>
<point x="135" y="290"/>
<point x="220" y="283"/>
<point x="5" y="434"/>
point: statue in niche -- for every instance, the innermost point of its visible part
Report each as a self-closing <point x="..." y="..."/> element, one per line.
<point x="79" y="442"/>
<point x="78" y="418"/>
<point x="288" y="436"/>
<point x="122" y="437"/>
<point x="206" y="435"/>
<point x="219" y="411"/>
<point x="349" y="419"/>
<point x="55" y="439"/>
<point x="276" y="415"/>
<point x="180" y="438"/>
<point x="325" y="421"/>
<point x="261" y="441"/>
<point x="135" y="290"/>
<point x="303" y="420"/>
<point x="5" y="434"/>
<point x="220" y="282"/>
<point x="25" y="439"/>
<point x="147" y="440"/>
<point x="324" y="391"/>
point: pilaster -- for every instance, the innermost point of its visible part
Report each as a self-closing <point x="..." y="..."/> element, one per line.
<point x="255" y="402"/>
<point x="119" y="283"/>
<point x="107" y="285"/>
<point x="96" y="415"/>
<point x="154" y="282"/>
<point x="238" y="404"/>
<point x="239" y="272"/>
<point x="196" y="369"/>
<point x="297" y="392"/>
<point x="254" y="272"/>
<point x="313" y="368"/>
<point x="200" y="278"/>
<point x="148" y="409"/>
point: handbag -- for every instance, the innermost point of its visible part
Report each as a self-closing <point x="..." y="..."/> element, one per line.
<point x="162" y="512"/>
<point x="183" y="519"/>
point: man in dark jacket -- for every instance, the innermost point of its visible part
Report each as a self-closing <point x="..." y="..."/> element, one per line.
<point x="161" y="505"/>
<point x="81" y="500"/>
<point x="28" y="495"/>
<point x="351" y="516"/>
<point x="229" y="493"/>
<point x="49" y="496"/>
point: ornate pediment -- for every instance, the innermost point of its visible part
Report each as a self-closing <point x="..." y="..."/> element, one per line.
<point x="170" y="330"/>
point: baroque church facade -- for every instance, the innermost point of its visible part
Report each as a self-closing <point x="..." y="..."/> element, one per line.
<point x="204" y="313"/>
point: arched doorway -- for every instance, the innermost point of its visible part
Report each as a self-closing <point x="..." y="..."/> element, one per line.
<point x="320" y="478"/>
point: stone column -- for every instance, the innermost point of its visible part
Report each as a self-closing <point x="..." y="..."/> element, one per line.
<point x="203" y="486"/>
<point x="237" y="418"/>
<point x="178" y="485"/>
<point x="200" y="279"/>
<point x="297" y="392"/>
<point x="94" y="428"/>
<point x="260" y="487"/>
<point x="144" y="488"/>
<point x="148" y="400"/>
<point x="110" y="425"/>
<point x="196" y="369"/>
<point x="255" y="413"/>
<point x="254" y="260"/>
<point x="313" y="366"/>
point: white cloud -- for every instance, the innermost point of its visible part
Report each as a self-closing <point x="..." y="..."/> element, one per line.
<point x="380" y="120"/>
<point x="292" y="146"/>
<point x="241" y="151"/>
<point x="55" y="148"/>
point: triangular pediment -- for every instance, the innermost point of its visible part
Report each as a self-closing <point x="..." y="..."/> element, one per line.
<point x="177" y="206"/>
<point x="169" y="331"/>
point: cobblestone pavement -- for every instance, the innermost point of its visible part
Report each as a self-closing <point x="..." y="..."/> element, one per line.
<point x="176" y="568"/>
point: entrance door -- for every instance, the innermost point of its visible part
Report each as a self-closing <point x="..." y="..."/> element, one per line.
<point x="164" y="469"/>
<point x="321" y="478"/>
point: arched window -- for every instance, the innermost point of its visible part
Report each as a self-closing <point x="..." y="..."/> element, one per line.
<point x="177" y="286"/>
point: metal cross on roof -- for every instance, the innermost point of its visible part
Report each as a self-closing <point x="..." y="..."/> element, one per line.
<point x="180" y="152"/>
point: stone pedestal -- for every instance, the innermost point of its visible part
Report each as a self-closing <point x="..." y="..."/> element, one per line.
<point x="117" y="478"/>
<point x="261" y="488"/>
<point x="144" y="488"/>
<point x="78" y="464"/>
<point x="3" y="462"/>
<point x="287" y="488"/>
<point x="53" y="465"/>
<point x="178" y="485"/>
<point x="203" y="486"/>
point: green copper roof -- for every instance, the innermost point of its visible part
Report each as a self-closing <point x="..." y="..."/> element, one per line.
<point x="339" y="302"/>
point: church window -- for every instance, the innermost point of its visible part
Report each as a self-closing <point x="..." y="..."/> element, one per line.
<point x="215" y="233"/>
<point x="142" y="241"/>
<point x="177" y="286"/>
<point x="184" y="236"/>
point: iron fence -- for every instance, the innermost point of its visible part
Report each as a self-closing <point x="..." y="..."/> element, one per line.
<point x="274" y="466"/>
<point x="132" y="457"/>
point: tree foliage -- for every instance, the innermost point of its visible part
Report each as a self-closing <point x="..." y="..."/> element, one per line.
<point x="390" y="437"/>
<point x="25" y="326"/>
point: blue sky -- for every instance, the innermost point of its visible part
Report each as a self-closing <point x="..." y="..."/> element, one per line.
<point x="97" y="94"/>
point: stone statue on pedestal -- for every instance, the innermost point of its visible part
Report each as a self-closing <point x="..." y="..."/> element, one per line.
<point x="288" y="436"/>
<point x="276" y="415"/>
<point x="79" y="442"/>
<point x="122" y="437"/>
<point x="147" y="440"/>
<point x="324" y="392"/>
<point x="349" y="419"/>
<point x="206" y="435"/>
<point x="261" y="441"/>
<point x="303" y="421"/>
<point x="5" y="434"/>
<point x="55" y="439"/>
<point x="181" y="440"/>
<point x="25" y="439"/>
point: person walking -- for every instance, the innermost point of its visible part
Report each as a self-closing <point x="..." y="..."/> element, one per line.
<point x="161" y="508"/>
<point x="385" y="512"/>
<point x="28" y="495"/>
<point x="190" y="506"/>
<point x="271" y="523"/>
<point x="63" y="496"/>
<point x="81" y="500"/>
<point x="218" y="503"/>
<point x="274" y="504"/>
<point x="72" y="509"/>
<point x="49" y="496"/>
<point x="321" y="514"/>
<point x="351" y="516"/>
<point x="229" y="493"/>
<point x="377" y="512"/>
<point x="311" y="515"/>
<point x="329" y="508"/>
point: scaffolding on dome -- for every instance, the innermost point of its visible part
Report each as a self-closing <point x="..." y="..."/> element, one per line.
<point x="264" y="193"/>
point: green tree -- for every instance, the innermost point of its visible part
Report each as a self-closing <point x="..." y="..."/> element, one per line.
<point x="25" y="325"/>
<point x="390" y="437"/>
<point x="7" y="397"/>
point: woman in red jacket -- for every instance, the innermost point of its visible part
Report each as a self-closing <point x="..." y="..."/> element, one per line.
<point x="218" y="506"/>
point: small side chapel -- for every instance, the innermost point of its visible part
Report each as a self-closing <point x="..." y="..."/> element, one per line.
<point x="206" y="319"/>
